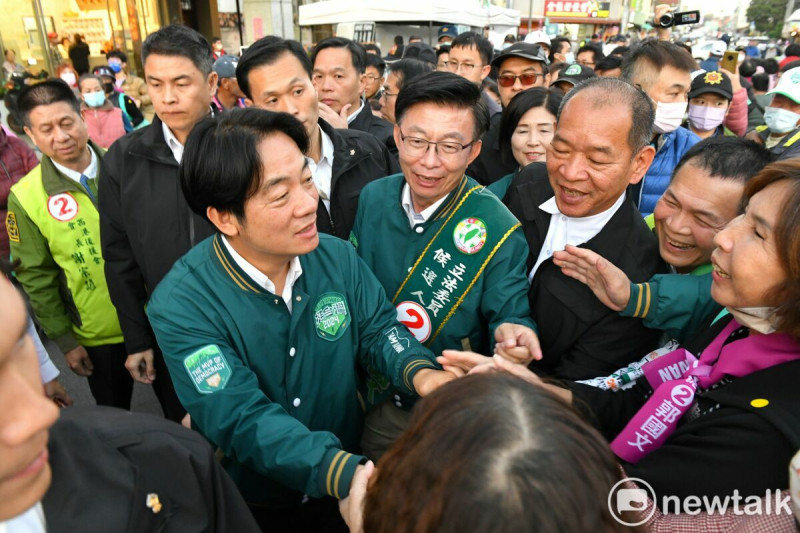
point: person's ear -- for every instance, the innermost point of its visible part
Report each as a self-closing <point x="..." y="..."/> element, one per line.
<point x="474" y="151"/>
<point x="362" y="83"/>
<point x="641" y="162"/>
<point x="212" y="80"/>
<point x="225" y="221"/>
<point x="485" y="70"/>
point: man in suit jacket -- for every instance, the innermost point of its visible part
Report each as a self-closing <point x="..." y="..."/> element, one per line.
<point x="601" y="145"/>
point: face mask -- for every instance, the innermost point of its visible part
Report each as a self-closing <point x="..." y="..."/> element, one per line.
<point x="669" y="116"/>
<point x="94" y="99"/>
<point x="780" y="120"/>
<point x="116" y="67"/>
<point x="760" y="319"/>
<point x="69" y="78"/>
<point x="108" y="87"/>
<point x="704" y="118"/>
<point x="569" y="58"/>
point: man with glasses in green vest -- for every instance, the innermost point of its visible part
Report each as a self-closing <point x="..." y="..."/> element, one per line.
<point x="447" y="252"/>
<point x="54" y="231"/>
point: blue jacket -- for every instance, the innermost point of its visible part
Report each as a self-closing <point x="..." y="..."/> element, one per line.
<point x="655" y="182"/>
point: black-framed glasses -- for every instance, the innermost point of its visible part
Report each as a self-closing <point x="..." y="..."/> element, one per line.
<point x="527" y="78"/>
<point x="387" y="94"/>
<point x="415" y="146"/>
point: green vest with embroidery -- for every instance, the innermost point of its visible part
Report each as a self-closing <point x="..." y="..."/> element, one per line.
<point x="70" y="224"/>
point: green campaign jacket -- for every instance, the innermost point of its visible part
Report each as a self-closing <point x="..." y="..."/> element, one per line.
<point x="390" y="247"/>
<point x="54" y="231"/>
<point x="678" y="304"/>
<point x="277" y="392"/>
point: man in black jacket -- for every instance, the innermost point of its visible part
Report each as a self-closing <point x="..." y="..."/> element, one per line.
<point x="339" y="76"/>
<point x="100" y="468"/>
<point x="275" y="74"/>
<point x="145" y="223"/>
<point x="601" y="145"/>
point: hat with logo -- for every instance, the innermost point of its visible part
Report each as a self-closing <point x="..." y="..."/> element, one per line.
<point x="712" y="81"/>
<point x="575" y="74"/>
<point x="532" y="52"/>
<point x="789" y="85"/>
<point x="225" y="66"/>
<point x="448" y="30"/>
<point x="103" y="70"/>
<point x="538" y="37"/>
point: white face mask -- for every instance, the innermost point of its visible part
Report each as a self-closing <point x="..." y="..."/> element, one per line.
<point x="780" y="120"/>
<point x="569" y="58"/>
<point x="760" y="319"/>
<point x="669" y="116"/>
<point x="69" y="78"/>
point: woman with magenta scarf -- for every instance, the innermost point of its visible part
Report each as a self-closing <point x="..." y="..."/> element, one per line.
<point x="721" y="413"/>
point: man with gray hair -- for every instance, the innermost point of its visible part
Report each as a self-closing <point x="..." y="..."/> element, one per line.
<point x="145" y="222"/>
<point x="601" y="146"/>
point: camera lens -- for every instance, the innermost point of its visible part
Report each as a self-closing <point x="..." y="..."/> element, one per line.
<point x="666" y="20"/>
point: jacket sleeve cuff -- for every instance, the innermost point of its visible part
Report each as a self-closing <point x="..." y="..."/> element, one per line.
<point x="639" y="302"/>
<point x="411" y="369"/>
<point x="66" y="342"/>
<point x="336" y="473"/>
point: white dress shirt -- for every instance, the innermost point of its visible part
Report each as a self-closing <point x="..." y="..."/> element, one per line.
<point x="322" y="172"/>
<point x="566" y="230"/>
<point x="90" y="171"/>
<point x="415" y="218"/>
<point x="295" y="271"/>
<point x="352" y="116"/>
<point x="31" y="521"/>
<point x="175" y="147"/>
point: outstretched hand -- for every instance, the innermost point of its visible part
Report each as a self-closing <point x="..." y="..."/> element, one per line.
<point x="517" y="343"/>
<point x="607" y="282"/>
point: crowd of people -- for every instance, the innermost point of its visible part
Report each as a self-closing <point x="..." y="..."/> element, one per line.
<point x="451" y="289"/>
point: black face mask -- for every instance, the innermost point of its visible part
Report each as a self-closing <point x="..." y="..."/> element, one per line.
<point x="108" y="87"/>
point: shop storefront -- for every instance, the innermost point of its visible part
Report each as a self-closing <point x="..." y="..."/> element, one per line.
<point x="43" y="30"/>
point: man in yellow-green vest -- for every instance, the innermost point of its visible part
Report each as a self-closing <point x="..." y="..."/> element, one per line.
<point x="54" y="231"/>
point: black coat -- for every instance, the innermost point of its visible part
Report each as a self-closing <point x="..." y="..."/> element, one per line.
<point x="729" y="445"/>
<point x="358" y="158"/>
<point x="489" y="166"/>
<point x="381" y="128"/>
<point x="106" y="461"/>
<point x="581" y="338"/>
<point x="145" y="225"/>
<point x="79" y="55"/>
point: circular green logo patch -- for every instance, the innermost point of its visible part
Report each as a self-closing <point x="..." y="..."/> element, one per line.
<point x="331" y="316"/>
<point x="470" y="235"/>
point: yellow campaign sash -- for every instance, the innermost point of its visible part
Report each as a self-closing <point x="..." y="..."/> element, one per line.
<point x="451" y="263"/>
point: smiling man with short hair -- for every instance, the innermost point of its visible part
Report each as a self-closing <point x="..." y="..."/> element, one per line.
<point x="447" y="251"/>
<point x="267" y="325"/>
<point x="601" y="146"/>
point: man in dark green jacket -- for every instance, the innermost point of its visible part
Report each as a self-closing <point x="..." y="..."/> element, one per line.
<point x="449" y="253"/>
<point x="266" y="325"/>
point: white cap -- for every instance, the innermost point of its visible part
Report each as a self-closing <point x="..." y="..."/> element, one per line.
<point x="537" y="37"/>
<point x="719" y="48"/>
<point x="789" y="85"/>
